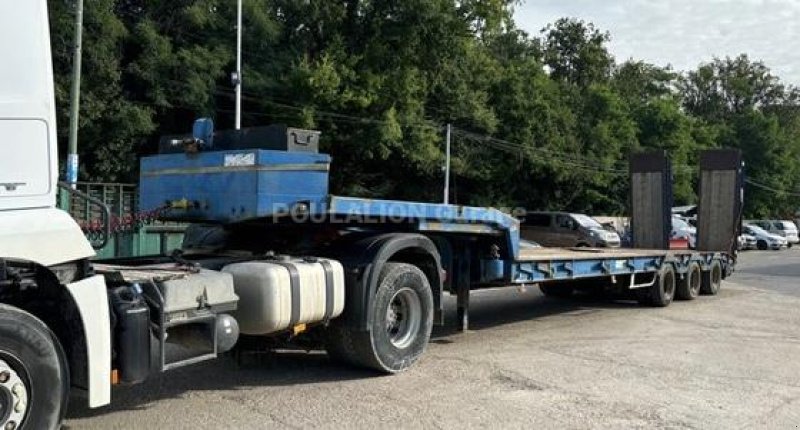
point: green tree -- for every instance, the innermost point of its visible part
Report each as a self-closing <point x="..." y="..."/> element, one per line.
<point x="751" y="110"/>
<point x="575" y="52"/>
<point x="545" y="121"/>
<point x="730" y="86"/>
<point x="111" y="126"/>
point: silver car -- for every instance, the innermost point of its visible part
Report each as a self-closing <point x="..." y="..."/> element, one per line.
<point x="765" y="239"/>
<point x="783" y="228"/>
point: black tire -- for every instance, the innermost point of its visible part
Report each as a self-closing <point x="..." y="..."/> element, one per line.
<point x="557" y="291"/>
<point x="661" y="293"/>
<point x="762" y="245"/>
<point x="788" y="245"/>
<point x="34" y="354"/>
<point x="712" y="279"/>
<point x="390" y="346"/>
<point x="688" y="288"/>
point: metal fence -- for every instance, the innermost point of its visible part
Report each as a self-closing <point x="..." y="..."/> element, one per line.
<point x="131" y="234"/>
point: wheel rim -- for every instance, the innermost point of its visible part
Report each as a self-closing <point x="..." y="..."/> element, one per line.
<point x="14" y="393"/>
<point x="403" y="317"/>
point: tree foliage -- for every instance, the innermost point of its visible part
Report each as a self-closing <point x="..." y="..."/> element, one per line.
<point x="541" y="121"/>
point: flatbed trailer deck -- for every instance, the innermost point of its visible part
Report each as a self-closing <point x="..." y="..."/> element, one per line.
<point x="511" y="261"/>
<point x="515" y="262"/>
<point x="588" y="262"/>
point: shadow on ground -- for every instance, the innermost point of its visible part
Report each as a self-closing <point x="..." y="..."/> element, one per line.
<point x="314" y="367"/>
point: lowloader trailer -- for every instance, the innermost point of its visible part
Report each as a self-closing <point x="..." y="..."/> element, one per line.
<point x="271" y="256"/>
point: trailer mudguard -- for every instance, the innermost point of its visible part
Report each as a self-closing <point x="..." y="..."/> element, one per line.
<point x="363" y="259"/>
<point x="92" y="302"/>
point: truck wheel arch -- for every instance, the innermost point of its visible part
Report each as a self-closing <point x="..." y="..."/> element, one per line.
<point x="363" y="260"/>
<point x="59" y="308"/>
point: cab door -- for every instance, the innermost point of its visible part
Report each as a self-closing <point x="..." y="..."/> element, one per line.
<point x="24" y="160"/>
<point x="28" y="158"/>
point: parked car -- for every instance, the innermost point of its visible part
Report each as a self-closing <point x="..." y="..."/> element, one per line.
<point x="747" y="241"/>
<point x="765" y="239"/>
<point x="682" y="230"/>
<point x="782" y="228"/>
<point x="565" y="229"/>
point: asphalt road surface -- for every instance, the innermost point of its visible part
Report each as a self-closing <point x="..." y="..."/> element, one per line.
<point x="726" y="362"/>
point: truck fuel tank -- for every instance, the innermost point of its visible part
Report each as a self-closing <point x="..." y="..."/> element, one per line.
<point x="278" y="294"/>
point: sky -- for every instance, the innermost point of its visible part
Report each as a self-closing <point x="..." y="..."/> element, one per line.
<point x="685" y="33"/>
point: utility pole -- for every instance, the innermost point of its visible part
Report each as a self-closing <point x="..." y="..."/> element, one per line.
<point x="238" y="79"/>
<point x="447" y="168"/>
<point x="75" y="98"/>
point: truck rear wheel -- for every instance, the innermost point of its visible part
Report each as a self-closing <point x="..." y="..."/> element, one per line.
<point x="689" y="287"/>
<point x="661" y="293"/>
<point x="712" y="279"/>
<point x="400" y="327"/>
<point x="34" y="380"/>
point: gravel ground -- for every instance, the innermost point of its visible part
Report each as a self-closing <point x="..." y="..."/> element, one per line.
<point x="717" y="362"/>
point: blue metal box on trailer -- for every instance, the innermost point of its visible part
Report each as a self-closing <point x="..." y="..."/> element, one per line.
<point x="230" y="186"/>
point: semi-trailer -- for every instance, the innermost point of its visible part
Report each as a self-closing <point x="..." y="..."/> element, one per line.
<point x="270" y="256"/>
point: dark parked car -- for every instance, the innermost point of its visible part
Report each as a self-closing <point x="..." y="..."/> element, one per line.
<point x="563" y="229"/>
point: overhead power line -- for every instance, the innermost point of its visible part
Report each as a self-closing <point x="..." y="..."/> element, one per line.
<point x="541" y="154"/>
<point x="771" y="189"/>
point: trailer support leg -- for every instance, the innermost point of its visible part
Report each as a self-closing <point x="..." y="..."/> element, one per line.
<point x="463" y="308"/>
<point x="462" y="282"/>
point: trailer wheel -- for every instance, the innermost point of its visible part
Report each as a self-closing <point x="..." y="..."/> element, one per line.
<point x="401" y="324"/>
<point x="688" y="288"/>
<point x="34" y="380"/>
<point x="712" y="279"/>
<point x="557" y="291"/>
<point x="661" y="293"/>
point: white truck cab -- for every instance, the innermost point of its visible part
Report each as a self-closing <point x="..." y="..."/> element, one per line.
<point x="28" y="146"/>
<point x="28" y="159"/>
<point x="43" y="253"/>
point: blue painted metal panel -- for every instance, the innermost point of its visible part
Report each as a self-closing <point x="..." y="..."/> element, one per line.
<point x="432" y="217"/>
<point x="548" y="270"/>
<point x="229" y="186"/>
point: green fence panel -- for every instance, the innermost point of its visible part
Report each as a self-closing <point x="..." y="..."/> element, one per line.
<point x="131" y="239"/>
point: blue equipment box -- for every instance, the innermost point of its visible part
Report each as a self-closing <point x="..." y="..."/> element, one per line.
<point x="230" y="186"/>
